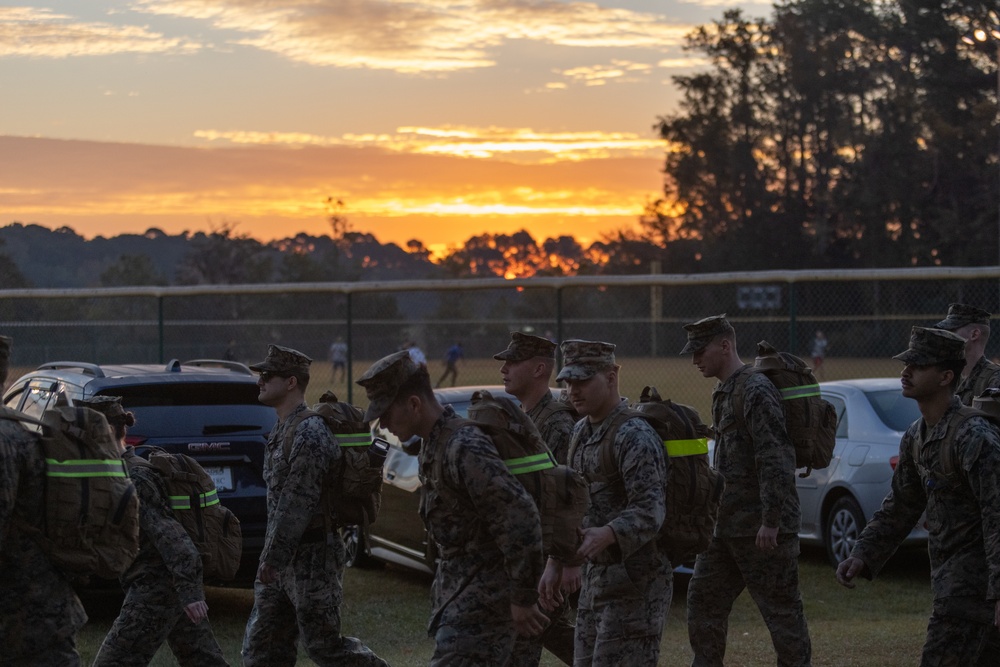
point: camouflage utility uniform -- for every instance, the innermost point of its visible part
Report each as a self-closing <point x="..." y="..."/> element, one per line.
<point x="39" y="612"/>
<point x="626" y="589"/>
<point x="757" y="459"/>
<point x="165" y="577"/>
<point x="556" y="429"/>
<point x="984" y="375"/>
<point x="489" y="539"/>
<point x="963" y="521"/>
<point x="305" y="600"/>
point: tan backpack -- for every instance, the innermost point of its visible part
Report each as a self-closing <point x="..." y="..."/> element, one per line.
<point x="561" y="494"/>
<point x="212" y="527"/>
<point x="91" y="518"/>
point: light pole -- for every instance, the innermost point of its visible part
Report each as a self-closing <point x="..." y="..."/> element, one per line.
<point x="986" y="33"/>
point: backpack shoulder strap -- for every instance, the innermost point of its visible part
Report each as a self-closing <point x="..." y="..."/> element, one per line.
<point x="286" y="445"/>
<point x="447" y="430"/>
<point x="739" y="393"/>
<point x="949" y="448"/>
<point x="982" y="382"/>
<point x="608" y="466"/>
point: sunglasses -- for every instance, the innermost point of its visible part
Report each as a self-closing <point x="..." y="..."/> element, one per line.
<point x="267" y="376"/>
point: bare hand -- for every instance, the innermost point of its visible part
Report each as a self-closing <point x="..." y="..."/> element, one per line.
<point x="572" y="579"/>
<point x="595" y="540"/>
<point x="549" y="586"/>
<point x="851" y="567"/>
<point x="767" y="538"/>
<point x="528" y="621"/>
<point x="267" y="574"/>
<point x="197" y="611"/>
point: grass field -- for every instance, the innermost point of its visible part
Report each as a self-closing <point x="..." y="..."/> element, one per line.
<point x="878" y="623"/>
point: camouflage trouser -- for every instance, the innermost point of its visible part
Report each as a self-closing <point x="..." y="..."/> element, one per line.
<point x="473" y="645"/>
<point x="304" y="603"/>
<point x="150" y="615"/>
<point x="772" y="577"/>
<point x="959" y="641"/>
<point x="623" y="608"/>
<point x="557" y="638"/>
<point x="60" y="653"/>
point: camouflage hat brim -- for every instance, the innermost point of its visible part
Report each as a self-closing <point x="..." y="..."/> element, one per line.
<point x="695" y="345"/>
<point x="377" y="407"/>
<point x="916" y="357"/>
<point x="576" y="372"/>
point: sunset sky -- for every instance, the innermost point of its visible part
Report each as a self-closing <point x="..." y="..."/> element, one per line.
<point x="430" y="119"/>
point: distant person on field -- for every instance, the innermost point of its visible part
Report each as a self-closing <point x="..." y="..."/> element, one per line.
<point x="40" y="613"/>
<point x="979" y="374"/>
<point x="818" y="352"/>
<point x="962" y="505"/>
<point x="527" y="368"/>
<point x="338" y="359"/>
<point x="164" y="594"/>
<point x="415" y="353"/>
<point x="756" y="541"/>
<point x="451" y="358"/>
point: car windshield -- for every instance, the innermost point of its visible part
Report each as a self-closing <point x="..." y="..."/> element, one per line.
<point x="206" y="408"/>
<point x="895" y="410"/>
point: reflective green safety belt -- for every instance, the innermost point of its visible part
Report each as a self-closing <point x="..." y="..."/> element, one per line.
<point x="531" y="463"/>
<point x="354" y="439"/>
<point x="693" y="447"/>
<point x="804" y="391"/>
<point x="85" y="468"/>
<point x="206" y="499"/>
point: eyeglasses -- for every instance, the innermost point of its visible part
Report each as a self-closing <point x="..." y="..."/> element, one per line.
<point x="267" y="376"/>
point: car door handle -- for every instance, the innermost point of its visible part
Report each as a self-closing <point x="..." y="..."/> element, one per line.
<point x="390" y="475"/>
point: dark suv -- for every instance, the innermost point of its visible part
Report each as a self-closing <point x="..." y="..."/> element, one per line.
<point x="205" y="408"/>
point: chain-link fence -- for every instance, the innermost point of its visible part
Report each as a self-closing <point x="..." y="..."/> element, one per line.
<point x="865" y="315"/>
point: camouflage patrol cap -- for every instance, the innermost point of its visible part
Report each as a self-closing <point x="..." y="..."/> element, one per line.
<point x="5" y="342"/>
<point x="702" y="332"/>
<point x="283" y="360"/>
<point x="932" y="346"/>
<point x="524" y="346"/>
<point x="960" y="314"/>
<point x="383" y="380"/>
<point x="585" y="358"/>
<point x="110" y="407"/>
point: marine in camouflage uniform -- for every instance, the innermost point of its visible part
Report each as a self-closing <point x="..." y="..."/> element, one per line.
<point x="756" y="544"/>
<point x="962" y="506"/>
<point x="481" y="518"/>
<point x="627" y="579"/>
<point x="164" y="578"/>
<point x="299" y="588"/>
<point x="972" y="324"/>
<point x="526" y="371"/>
<point x="39" y="612"/>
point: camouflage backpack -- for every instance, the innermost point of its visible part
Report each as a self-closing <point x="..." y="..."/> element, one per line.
<point x="91" y="518"/>
<point x="352" y="495"/>
<point x="693" y="488"/>
<point x="810" y="420"/>
<point x="986" y="406"/>
<point x="212" y="527"/>
<point x="561" y="494"/>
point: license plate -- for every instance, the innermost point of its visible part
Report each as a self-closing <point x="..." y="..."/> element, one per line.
<point x="222" y="476"/>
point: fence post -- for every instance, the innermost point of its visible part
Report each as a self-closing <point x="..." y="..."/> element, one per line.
<point x="559" y="327"/>
<point x="159" y="317"/>
<point x="793" y="339"/>
<point x="350" y="350"/>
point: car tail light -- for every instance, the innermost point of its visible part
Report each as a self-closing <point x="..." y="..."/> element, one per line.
<point x="134" y="440"/>
<point x="893" y="462"/>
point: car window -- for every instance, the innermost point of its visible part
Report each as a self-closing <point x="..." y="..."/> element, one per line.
<point x="841" y="408"/>
<point x="895" y="410"/>
<point x="203" y="408"/>
<point x="38" y="397"/>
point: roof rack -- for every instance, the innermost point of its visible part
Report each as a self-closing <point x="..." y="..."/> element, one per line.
<point x="89" y="369"/>
<point x="219" y="363"/>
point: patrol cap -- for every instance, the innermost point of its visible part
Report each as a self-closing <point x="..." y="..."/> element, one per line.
<point x="5" y="342"/>
<point x="524" y="346"/>
<point x="960" y="314"/>
<point x="283" y="360"/>
<point x="383" y="380"/>
<point x="932" y="346"/>
<point x="702" y="332"/>
<point x="110" y="407"/>
<point x="585" y="358"/>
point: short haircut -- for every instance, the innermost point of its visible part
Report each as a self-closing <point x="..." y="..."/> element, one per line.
<point x="418" y="384"/>
<point x="301" y="378"/>
<point x="956" y="367"/>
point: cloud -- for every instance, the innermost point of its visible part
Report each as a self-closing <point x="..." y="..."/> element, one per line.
<point x="522" y="145"/>
<point x="415" y="36"/>
<point x="41" y="33"/>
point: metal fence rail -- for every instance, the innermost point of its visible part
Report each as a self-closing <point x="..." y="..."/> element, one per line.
<point x="864" y="314"/>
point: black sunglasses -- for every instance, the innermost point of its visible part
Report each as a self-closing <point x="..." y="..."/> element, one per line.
<point x="266" y="376"/>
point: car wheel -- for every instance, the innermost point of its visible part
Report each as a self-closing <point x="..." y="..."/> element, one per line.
<point x="355" y="547"/>
<point x="844" y="524"/>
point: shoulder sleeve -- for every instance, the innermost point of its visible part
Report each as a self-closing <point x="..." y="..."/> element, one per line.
<point x="642" y="463"/>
